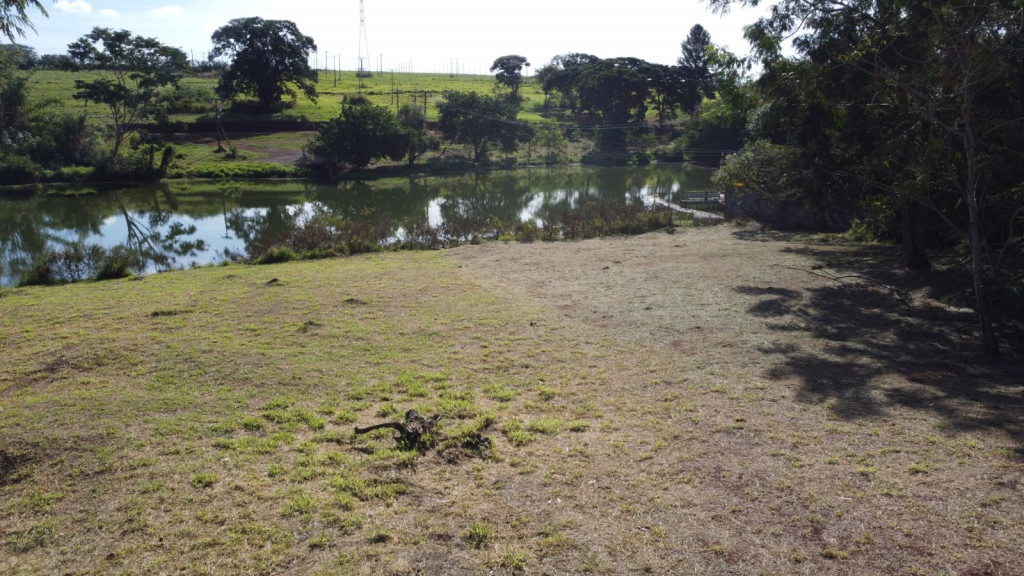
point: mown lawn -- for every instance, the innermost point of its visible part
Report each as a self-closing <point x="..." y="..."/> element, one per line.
<point x="694" y="402"/>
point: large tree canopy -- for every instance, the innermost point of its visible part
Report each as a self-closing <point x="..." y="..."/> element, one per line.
<point x="510" y="72"/>
<point x="268" y="57"/>
<point x="361" y="135"/>
<point x="480" y="121"/>
<point x="562" y="75"/>
<point x="694" y="66"/>
<point x="14" y="18"/>
<point x="130" y="70"/>
<point x="616" y="90"/>
<point x="913" y="107"/>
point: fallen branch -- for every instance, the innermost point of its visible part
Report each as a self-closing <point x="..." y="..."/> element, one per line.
<point x="414" y="427"/>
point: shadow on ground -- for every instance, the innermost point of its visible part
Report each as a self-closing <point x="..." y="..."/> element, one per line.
<point x="879" y="350"/>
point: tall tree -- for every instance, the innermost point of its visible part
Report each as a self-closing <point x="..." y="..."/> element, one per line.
<point x="13" y="97"/>
<point x="268" y="57"/>
<point x="667" y="91"/>
<point x="361" y="135"/>
<point x="695" y="68"/>
<point x="616" y="90"/>
<point x="130" y="70"/>
<point x="937" y="87"/>
<point x="562" y="75"/>
<point x="14" y="18"/>
<point x="510" y="72"/>
<point x="481" y="121"/>
<point x="19" y="55"/>
<point x="414" y="123"/>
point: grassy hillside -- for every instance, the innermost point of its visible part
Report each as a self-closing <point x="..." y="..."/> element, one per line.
<point x="58" y="87"/>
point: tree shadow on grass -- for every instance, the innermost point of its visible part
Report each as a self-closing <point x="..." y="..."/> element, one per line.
<point x="876" y="355"/>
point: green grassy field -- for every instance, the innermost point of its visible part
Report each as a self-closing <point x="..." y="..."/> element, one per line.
<point x="59" y="87"/>
<point x="198" y="156"/>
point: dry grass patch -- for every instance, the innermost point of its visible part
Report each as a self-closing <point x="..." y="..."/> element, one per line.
<point x="612" y="406"/>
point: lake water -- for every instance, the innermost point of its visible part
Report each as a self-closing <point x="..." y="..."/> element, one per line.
<point x="183" y="224"/>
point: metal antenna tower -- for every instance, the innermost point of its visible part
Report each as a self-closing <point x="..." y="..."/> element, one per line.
<point x="364" y="49"/>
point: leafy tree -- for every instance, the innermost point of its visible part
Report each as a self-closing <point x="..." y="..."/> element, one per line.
<point x="131" y="69"/>
<point x="414" y="124"/>
<point x="918" y="102"/>
<point x="56" y="62"/>
<point x="667" y="90"/>
<point x="736" y="92"/>
<point x="616" y="90"/>
<point x="361" y="135"/>
<point x="14" y="17"/>
<point x="268" y="57"/>
<point x="18" y="55"/>
<point x="694" y="64"/>
<point x="510" y="72"/>
<point x="550" y="138"/>
<point x="562" y="75"/>
<point x="481" y="121"/>
<point x="13" y="98"/>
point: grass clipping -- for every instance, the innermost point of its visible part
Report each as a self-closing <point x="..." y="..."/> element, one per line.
<point x="648" y="403"/>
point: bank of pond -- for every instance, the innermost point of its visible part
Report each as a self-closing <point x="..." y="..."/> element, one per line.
<point x="96" y="233"/>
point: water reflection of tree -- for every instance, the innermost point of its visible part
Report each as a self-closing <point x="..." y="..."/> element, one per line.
<point x="259" y="229"/>
<point x="22" y="236"/>
<point x="259" y="216"/>
<point x="485" y="201"/>
<point x="152" y="231"/>
<point x="31" y="227"/>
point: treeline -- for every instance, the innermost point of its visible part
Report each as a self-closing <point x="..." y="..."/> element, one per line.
<point x="261" y="64"/>
<point x="608" y="101"/>
<point x="903" y="119"/>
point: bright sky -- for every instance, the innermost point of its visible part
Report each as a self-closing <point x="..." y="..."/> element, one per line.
<point x="418" y="36"/>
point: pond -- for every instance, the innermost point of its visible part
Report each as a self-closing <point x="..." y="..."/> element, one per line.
<point x="183" y="224"/>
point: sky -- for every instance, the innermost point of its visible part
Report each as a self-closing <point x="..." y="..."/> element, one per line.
<point x="412" y="35"/>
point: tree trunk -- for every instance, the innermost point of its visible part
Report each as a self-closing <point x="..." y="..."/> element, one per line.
<point x="976" y="230"/>
<point x="914" y="230"/>
<point x="989" y="342"/>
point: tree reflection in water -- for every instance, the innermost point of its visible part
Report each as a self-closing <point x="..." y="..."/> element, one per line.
<point x="185" y="223"/>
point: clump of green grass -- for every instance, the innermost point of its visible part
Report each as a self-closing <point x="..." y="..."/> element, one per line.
<point x="512" y="560"/>
<point x="515" y="433"/>
<point x="204" y="480"/>
<point x="345" y="416"/>
<point x="252" y="424"/>
<point x="36" y="536"/>
<point x="302" y="504"/>
<point x="919" y="468"/>
<point x="457" y="405"/>
<point x="479" y="534"/>
<point x="38" y="501"/>
<point x="578" y="426"/>
<point x="310" y="419"/>
<point x="549" y="426"/>
<point x="500" y="391"/>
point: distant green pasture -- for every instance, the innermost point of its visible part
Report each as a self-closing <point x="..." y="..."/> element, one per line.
<point x="51" y="87"/>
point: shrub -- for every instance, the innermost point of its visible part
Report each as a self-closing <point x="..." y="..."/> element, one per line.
<point x="19" y="170"/>
<point x="277" y="254"/>
<point x="118" y="262"/>
<point x="80" y="261"/>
